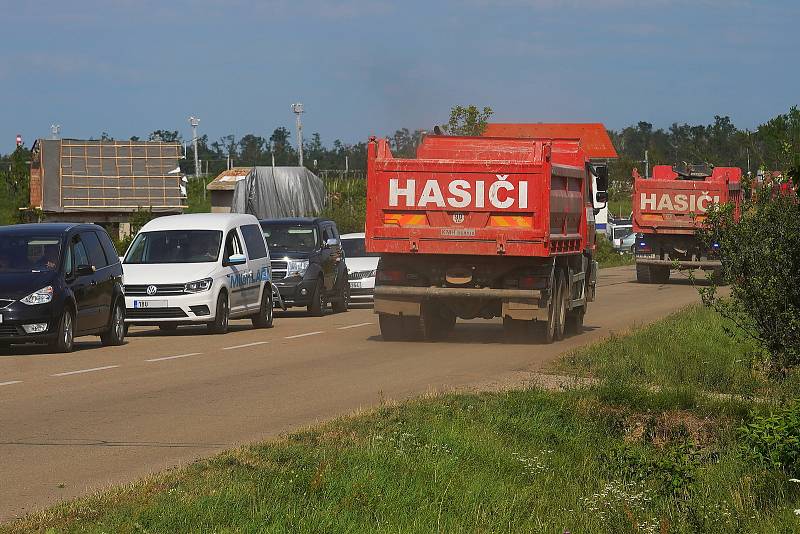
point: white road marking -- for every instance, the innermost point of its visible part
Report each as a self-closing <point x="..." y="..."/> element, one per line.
<point x="174" y="357"/>
<point x="304" y="335"/>
<point x="354" y="326"/>
<point x="10" y="382"/>
<point x="86" y="370"/>
<point x="246" y="345"/>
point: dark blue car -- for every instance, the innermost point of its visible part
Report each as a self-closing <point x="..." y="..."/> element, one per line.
<point x="58" y="282"/>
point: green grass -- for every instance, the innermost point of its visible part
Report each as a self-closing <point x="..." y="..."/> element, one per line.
<point x="620" y="207"/>
<point x="198" y="199"/>
<point x="689" y="349"/>
<point x="619" y="457"/>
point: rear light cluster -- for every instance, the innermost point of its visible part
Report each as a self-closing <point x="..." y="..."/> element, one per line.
<point x="391" y="276"/>
<point x="523" y="281"/>
<point x="641" y="244"/>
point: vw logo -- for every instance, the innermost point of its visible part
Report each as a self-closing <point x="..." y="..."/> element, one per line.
<point x="152" y="290"/>
<point x="458" y="218"/>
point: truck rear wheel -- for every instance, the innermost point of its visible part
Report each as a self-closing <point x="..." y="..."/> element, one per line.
<point x="391" y="327"/>
<point x="563" y="306"/>
<point x="548" y="327"/>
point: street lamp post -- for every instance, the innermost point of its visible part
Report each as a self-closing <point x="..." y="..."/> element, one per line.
<point x="297" y="109"/>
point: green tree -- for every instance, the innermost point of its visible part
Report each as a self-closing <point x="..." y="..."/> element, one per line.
<point x="468" y="120"/>
<point x="168" y="136"/>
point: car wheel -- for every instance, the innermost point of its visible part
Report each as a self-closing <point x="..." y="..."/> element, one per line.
<point x="115" y="335"/>
<point x="342" y="303"/>
<point x="317" y="306"/>
<point x="65" y="340"/>
<point x="222" y="317"/>
<point x="265" y="316"/>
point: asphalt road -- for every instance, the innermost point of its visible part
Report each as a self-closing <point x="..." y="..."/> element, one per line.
<point x="76" y="423"/>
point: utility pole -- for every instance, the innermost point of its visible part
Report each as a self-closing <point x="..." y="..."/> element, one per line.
<point x="297" y="109"/>
<point x="646" y="164"/>
<point x="194" y="122"/>
<point x="55" y="130"/>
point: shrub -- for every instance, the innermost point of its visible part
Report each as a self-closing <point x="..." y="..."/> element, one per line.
<point x="774" y="440"/>
<point x="760" y="257"/>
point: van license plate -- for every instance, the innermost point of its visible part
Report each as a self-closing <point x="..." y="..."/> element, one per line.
<point x="149" y="303"/>
<point x="355" y="285"/>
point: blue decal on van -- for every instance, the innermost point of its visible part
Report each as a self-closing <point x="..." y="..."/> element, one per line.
<point x="248" y="279"/>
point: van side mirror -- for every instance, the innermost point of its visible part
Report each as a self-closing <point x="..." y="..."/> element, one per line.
<point x="601" y="196"/>
<point x="236" y="259"/>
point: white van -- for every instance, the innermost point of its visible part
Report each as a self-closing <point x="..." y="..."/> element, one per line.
<point x="198" y="269"/>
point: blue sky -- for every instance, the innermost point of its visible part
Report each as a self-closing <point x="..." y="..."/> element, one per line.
<point x="129" y="67"/>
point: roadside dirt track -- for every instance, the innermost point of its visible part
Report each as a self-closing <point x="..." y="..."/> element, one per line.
<point x="73" y="424"/>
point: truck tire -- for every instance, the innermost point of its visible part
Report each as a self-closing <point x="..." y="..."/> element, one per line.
<point x="563" y="306"/>
<point x="434" y="324"/>
<point x="659" y="274"/>
<point x="547" y="328"/>
<point x="391" y="327"/>
<point x="575" y="320"/>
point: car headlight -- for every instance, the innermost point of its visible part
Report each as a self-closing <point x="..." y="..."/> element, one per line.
<point x="42" y="296"/>
<point x="296" y="267"/>
<point x="198" y="286"/>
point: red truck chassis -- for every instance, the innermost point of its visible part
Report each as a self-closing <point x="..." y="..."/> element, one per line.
<point x="481" y="227"/>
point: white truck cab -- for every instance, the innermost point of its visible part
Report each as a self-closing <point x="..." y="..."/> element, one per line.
<point x="198" y="269"/>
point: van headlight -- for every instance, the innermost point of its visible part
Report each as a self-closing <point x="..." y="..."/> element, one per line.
<point x="42" y="296"/>
<point x="198" y="286"/>
<point x="296" y="267"/>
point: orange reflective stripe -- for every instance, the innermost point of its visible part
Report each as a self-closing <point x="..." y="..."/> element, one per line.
<point x="516" y="221"/>
<point x="404" y="219"/>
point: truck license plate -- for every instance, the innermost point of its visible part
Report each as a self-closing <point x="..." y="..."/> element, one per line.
<point x="458" y="232"/>
<point x="646" y="256"/>
<point x="149" y="303"/>
<point x="355" y="285"/>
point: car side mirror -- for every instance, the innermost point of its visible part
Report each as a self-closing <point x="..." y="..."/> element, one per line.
<point x="84" y="270"/>
<point x="236" y="259"/>
<point x="332" y="243"/>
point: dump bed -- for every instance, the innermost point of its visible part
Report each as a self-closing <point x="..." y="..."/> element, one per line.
<point x="672" y="203"/>
<point x="478" y="196"/>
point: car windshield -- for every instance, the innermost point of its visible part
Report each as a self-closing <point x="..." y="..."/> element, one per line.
<point x="29" y="253"/>
<point x="354" y="247"/>
<point x="621" y="233"/>
<point x="175" y="246"/>
<point x="299" y="238"/>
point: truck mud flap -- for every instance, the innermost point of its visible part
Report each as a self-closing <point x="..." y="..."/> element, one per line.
<point x="397" y="306"/>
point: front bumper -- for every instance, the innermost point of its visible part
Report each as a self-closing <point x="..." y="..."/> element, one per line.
<point x="191" y="308"/>
<point x="680" y="264"/>
<point x="295" y="292"/>
<point x="17" y="314"/>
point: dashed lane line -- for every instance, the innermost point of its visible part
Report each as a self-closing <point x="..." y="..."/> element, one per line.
<point x="174" y="357"/>
<point x="348" y="327"/>
<point x="81" y="371"/>
<point x="304" y="335"/>
<point x="10" y="382"/>
<point x="246" y="345"/>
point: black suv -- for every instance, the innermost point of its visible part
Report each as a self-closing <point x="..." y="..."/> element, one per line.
<point x="308" y="263"/>
<point x="58" y="282"/>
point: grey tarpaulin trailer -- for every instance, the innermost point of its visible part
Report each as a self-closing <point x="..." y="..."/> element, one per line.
<point x="275" y="192"/>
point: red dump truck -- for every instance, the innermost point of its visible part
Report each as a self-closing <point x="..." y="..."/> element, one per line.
<point x="483" y="227"/>
<point x="669" y="207"/>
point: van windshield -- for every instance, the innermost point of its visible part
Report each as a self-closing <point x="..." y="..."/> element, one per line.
<point x="300" y="238"/>
<point x="175" y="246"/>
<point x="29" y="253"/>
<point x="354" y="247"/>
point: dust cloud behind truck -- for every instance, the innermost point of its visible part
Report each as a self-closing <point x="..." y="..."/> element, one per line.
<point x="667" y="210"/>
<point x="483" y="227"/>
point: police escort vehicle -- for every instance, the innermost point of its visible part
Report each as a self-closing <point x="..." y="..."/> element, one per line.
<point x="199" y="269"/>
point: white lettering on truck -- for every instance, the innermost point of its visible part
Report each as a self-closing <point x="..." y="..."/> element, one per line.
<point x="679" y="203"/>
<point x="502" y="194"/>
